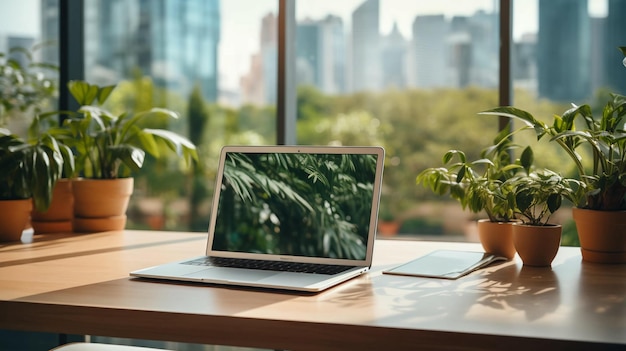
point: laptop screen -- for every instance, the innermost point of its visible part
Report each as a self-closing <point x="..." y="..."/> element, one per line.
<point x="296" y="204"/>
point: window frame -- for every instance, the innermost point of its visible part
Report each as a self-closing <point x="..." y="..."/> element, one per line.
<point x="71" y="49"/>
<point x="72" y="61"/>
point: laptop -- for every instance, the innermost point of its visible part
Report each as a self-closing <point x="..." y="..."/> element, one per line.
<point x="296" y="218"/>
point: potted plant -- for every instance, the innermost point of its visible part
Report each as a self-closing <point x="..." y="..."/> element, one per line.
<point x="388" y="225"/>
<point x="479" y="186"/>
<point x="24" y="84"/>
<point x="600" y="209"/>
<point x="57" y="217"/>
<point x="27" y="89"/>
<point x="108" y="148"/>
<point x="29" y="172"/>
<point x="535" y="196"/>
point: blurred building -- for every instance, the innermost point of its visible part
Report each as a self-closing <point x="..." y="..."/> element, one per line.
<point x="524" y="63"/>
<point x="50" y="30"/>
<point x="365" y="62"/>
<point x="429" y="52"/>
<point x="563" y="56"/>
<point x="332" y="55"/>
<point x="320" y="54"/>
<point x="258" y="85"/>
<point x="615" y="36"/>
<point x="394" y="48"/>
<point x="20" y="42"/>
<point x="124" y="38"/>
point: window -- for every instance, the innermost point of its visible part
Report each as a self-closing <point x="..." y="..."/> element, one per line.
<point x="408" y="75"/>
<point x="25" y="43"/>
<point x="564" y="52"/>
<point x="572" y="62"/>
<point x="205" y="59"/>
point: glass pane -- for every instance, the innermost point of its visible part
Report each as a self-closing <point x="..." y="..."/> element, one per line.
<point x="564" y="52"/>
<point x="28" y="62"/>
<point x="408" y="75"/>
<point x="200" y="58"/>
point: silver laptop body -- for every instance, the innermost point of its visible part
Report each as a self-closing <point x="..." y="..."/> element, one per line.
<point x="308" y="206"/>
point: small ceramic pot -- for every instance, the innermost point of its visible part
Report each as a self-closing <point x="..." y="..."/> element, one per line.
<point x="496" y="237"/>
<point x="537" y="245"/>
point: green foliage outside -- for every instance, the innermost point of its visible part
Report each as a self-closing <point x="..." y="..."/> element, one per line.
<point x="198" y="117"/>
<point x="415" y="126"/>
<point x="25" y="84"/>
<point x="424" y="226"/>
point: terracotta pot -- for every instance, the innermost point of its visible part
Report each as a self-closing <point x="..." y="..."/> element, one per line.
<point x="58" y="217"/>
<point x="496" y="237"/>
<point x="602" y="235"/>
<point x="101" y="204"/>
<point x="388" y="228"/>
<point x="537" y="245"/>
<point x="104" y="224"/>
<point x="14" y="216"/>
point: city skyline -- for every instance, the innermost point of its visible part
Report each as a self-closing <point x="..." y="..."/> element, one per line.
<point x="240" y="29"/>
<point x="461" y="51"/>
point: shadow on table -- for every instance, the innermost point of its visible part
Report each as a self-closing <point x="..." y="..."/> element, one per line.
<point x="535" y="291"/>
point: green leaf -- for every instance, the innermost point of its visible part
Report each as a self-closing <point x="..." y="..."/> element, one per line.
<point x="131" y="156"/>
<point x="523" y="200"/>
<point x="554" y="202"/>
<point x="527" y="159"/>
<point x="148" y="143"/>
<point x="83" y="92"/>
<point x="461" y="174"/>
<point x="524" y="116"/>
<point x="104" y="92"/>
<point x="510" y="167"/>
<point x="448" y="156"/>
<point x="179" y="144"/>
<point x="69" y="163"/>
<point x="569" y="116"/>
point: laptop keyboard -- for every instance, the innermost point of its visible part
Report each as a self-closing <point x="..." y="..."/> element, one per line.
<point x="269" y="265"/>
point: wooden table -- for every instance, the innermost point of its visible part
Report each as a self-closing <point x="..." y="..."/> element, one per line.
<point x="79" y="284"/>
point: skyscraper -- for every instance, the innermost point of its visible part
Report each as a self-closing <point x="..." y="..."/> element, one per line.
<point x="459" y="50"/>
<point x="183" y="38"/>
<point x="333" y="55"/>
<point x="599" y="53"/>
<point x="269" y="57"/>
<point x="50" y="30"/>
<point x="20" y="42"/>
<point x="366" y="63"/>
<point x="485" y="60"/>
<point x="308" y="52"/>
<point x="394" y="54"/>
<point x="175" y="42"/>
<point x="258" y="86"/>
<point x="429" y="54"/>
<point x="320" y="54"/>
<point x="615" y="37"/>
<point x="524" y="63"/>
<point x="563" y="50"/>
<point x="111" y="31"/>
